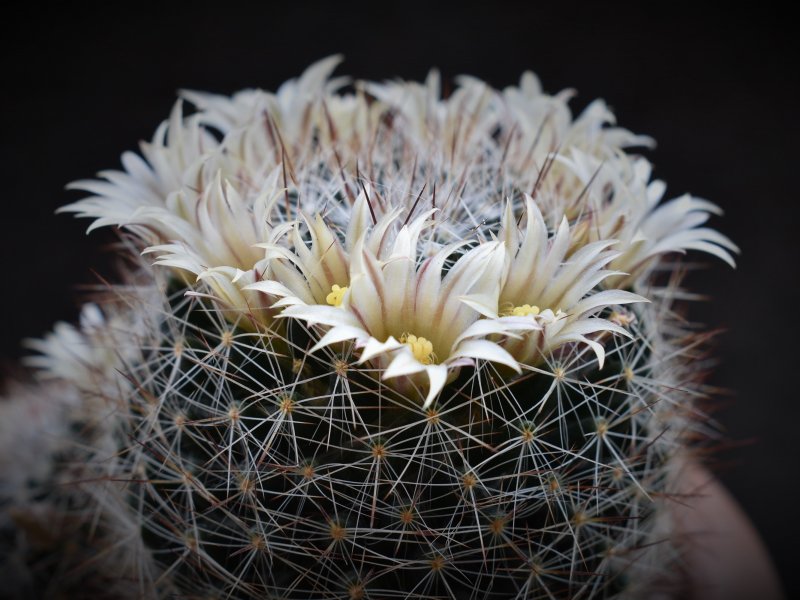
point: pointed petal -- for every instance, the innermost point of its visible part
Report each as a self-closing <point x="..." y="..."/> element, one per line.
<point x="403" y="363"/>
<point x="606" y="298"/>
<point x="374" y="348"/>
<point x="325" y="315"/>
<point x="486" y="350"/>
<point x="437" y="376"/>
<point x="337" y="334"/>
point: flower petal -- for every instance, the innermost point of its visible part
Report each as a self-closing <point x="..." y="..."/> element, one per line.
<point x="437" y="377"/>
<point x="486" y="350"/>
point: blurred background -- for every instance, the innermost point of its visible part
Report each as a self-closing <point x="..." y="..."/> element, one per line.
<point x="718" y="90"/>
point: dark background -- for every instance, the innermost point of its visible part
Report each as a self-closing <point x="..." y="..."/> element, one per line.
<point x="718" y="91"/>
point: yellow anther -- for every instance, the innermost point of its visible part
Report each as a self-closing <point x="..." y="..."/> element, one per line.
<point x="420" y="347"/>
<point x="522" y="311"/>
<point x="336" y="296"/>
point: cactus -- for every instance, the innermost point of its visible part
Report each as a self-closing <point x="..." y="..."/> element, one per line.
<point x="390" y="345"/>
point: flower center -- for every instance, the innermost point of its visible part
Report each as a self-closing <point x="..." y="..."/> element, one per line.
<point x="336" y="296"/>
<point x="420" y="347"/>
<point x="521" y="311"/>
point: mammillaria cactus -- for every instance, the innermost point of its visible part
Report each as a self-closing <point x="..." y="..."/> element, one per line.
<point x="391" y="345"/>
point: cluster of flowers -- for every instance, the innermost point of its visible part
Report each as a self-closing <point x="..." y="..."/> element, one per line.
<point x="485" y="226"/>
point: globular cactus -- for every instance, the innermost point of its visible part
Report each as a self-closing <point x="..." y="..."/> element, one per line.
<point x="392" y="345"/>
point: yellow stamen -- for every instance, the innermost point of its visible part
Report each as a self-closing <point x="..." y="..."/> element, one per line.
<point x="420" y="347"/>
<point x="336" y="296"/>
<point x="522" y="311"/>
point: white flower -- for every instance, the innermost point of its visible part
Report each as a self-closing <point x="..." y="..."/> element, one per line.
<point x="83" y="355"/>
<point x="289" y="109"/>
<point x="289" y="203"/>
<point x="222" y="250"/>
<point x="303" y="274"/>
<point x="409" y="318"/>
<point x="622" y="202"/>
<point x="172" y="160"/>
<point x="546" y="126"/>
<point x="544" y="283"/>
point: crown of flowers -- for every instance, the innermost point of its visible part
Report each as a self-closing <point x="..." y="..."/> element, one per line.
<point x="431" y="233"/>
